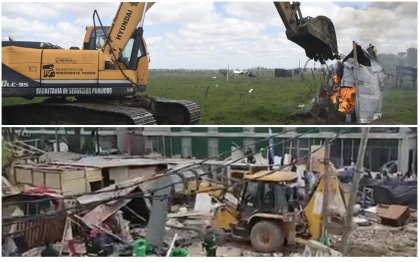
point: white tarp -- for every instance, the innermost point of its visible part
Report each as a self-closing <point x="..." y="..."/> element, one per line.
<point x="277" y="162"/>
<point x="369" y="82"/>
<point x="202" y="203"/>
<point x="287" y="159"/>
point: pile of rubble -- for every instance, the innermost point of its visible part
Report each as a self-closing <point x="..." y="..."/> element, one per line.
<point x="370" y="238"/>
<point x="376" y="239"/>
<point x="379" y="240"/>
<point x="145" y="207"/>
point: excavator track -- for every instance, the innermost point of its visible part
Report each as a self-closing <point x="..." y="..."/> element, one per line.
<point x="139" y="110"/>
<point x="165" y="111"/>
<point x="177" y="111"/>
<point x="53" y="113"/>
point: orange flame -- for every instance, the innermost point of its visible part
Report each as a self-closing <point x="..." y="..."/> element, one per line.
<point x="346" y="96"/>
<point x="336" y="80"/>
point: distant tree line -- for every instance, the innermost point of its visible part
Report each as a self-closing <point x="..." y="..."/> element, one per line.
<point x="390" y="61"/>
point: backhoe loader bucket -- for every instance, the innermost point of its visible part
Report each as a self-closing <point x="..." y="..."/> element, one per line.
<point x="317" y="37"/>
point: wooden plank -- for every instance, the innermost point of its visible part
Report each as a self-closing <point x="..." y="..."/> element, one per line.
<point x="23" y="176"/>
<point x="135" y="214"/>
<point x="102" y="212"/>
<point x="111" y="234"/>
<point x="145" y="172"/>
<point x="75" y="186"/>
<point x="355" y="52"/>
<point x="45" y="230"/>
<point x="393" y="212"/>
<point x="38" y="230"/>
<point x="186" y="214"/>
<point x="38" y="178"/>
<point x="66" y="226"/>
<point x="73" y="174"/>
<point x="168" y="253"/>
<point x="354" y="189"/>
<point x="317" y="158"/>
<point x="93" y="174"/>
<point x="52" y="180"/>
<point x="326" y="195"/>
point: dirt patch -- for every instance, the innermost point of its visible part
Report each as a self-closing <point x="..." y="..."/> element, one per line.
<point x="379" y="240"/>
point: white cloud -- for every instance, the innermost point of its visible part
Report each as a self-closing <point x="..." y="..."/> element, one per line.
<point x="180" y="13"/>
<point x="29" y="10"/>
<point x="62" y="23"/>
<point x="255" y="11"/>
<point x="199" y="36"/>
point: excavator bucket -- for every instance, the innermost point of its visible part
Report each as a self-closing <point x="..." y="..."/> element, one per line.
<point x="317" y="37"/>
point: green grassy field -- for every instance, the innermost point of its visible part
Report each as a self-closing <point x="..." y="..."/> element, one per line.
<point x="399" y="105"/>
<point x="272" y="100"/>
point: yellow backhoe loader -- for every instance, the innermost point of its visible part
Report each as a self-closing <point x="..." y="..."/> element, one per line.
<point x="268" y="213"/>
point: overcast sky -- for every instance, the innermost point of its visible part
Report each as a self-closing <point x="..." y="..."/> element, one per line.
<point x="211" y="35"/>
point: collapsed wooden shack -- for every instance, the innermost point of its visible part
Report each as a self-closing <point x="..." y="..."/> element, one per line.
<point x="65" y="179"/>
<point x="31" y="218"/>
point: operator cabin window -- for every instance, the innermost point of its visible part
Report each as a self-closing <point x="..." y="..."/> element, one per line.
<point x="100" y="38"/>
<point x="251" y="194"/>
<point x="126" y="52"/>
<point x="269" y="196"/>
<point x="100" y="41"/>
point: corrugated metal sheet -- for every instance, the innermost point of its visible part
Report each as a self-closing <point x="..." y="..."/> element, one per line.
<point x="48" y="167"/>
<point x="102" y="212"/>
<point x="101" y="162"/>
<point x="86" y="199"/>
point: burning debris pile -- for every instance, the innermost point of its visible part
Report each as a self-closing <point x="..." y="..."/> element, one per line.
<point x="353" y="92"/>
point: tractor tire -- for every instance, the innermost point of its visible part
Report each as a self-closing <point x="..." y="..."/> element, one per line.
<point x="266" y="237"/>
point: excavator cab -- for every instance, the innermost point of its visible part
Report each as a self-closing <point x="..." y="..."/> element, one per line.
<point x="315" y="35"/>
<point x="134" y="49"/>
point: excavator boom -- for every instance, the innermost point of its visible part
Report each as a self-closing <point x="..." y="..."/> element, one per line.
<point x="315" y="35"/>
<point x="126" y="20"/>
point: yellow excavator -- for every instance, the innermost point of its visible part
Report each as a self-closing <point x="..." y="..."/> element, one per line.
<point x="106" y="75"/>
